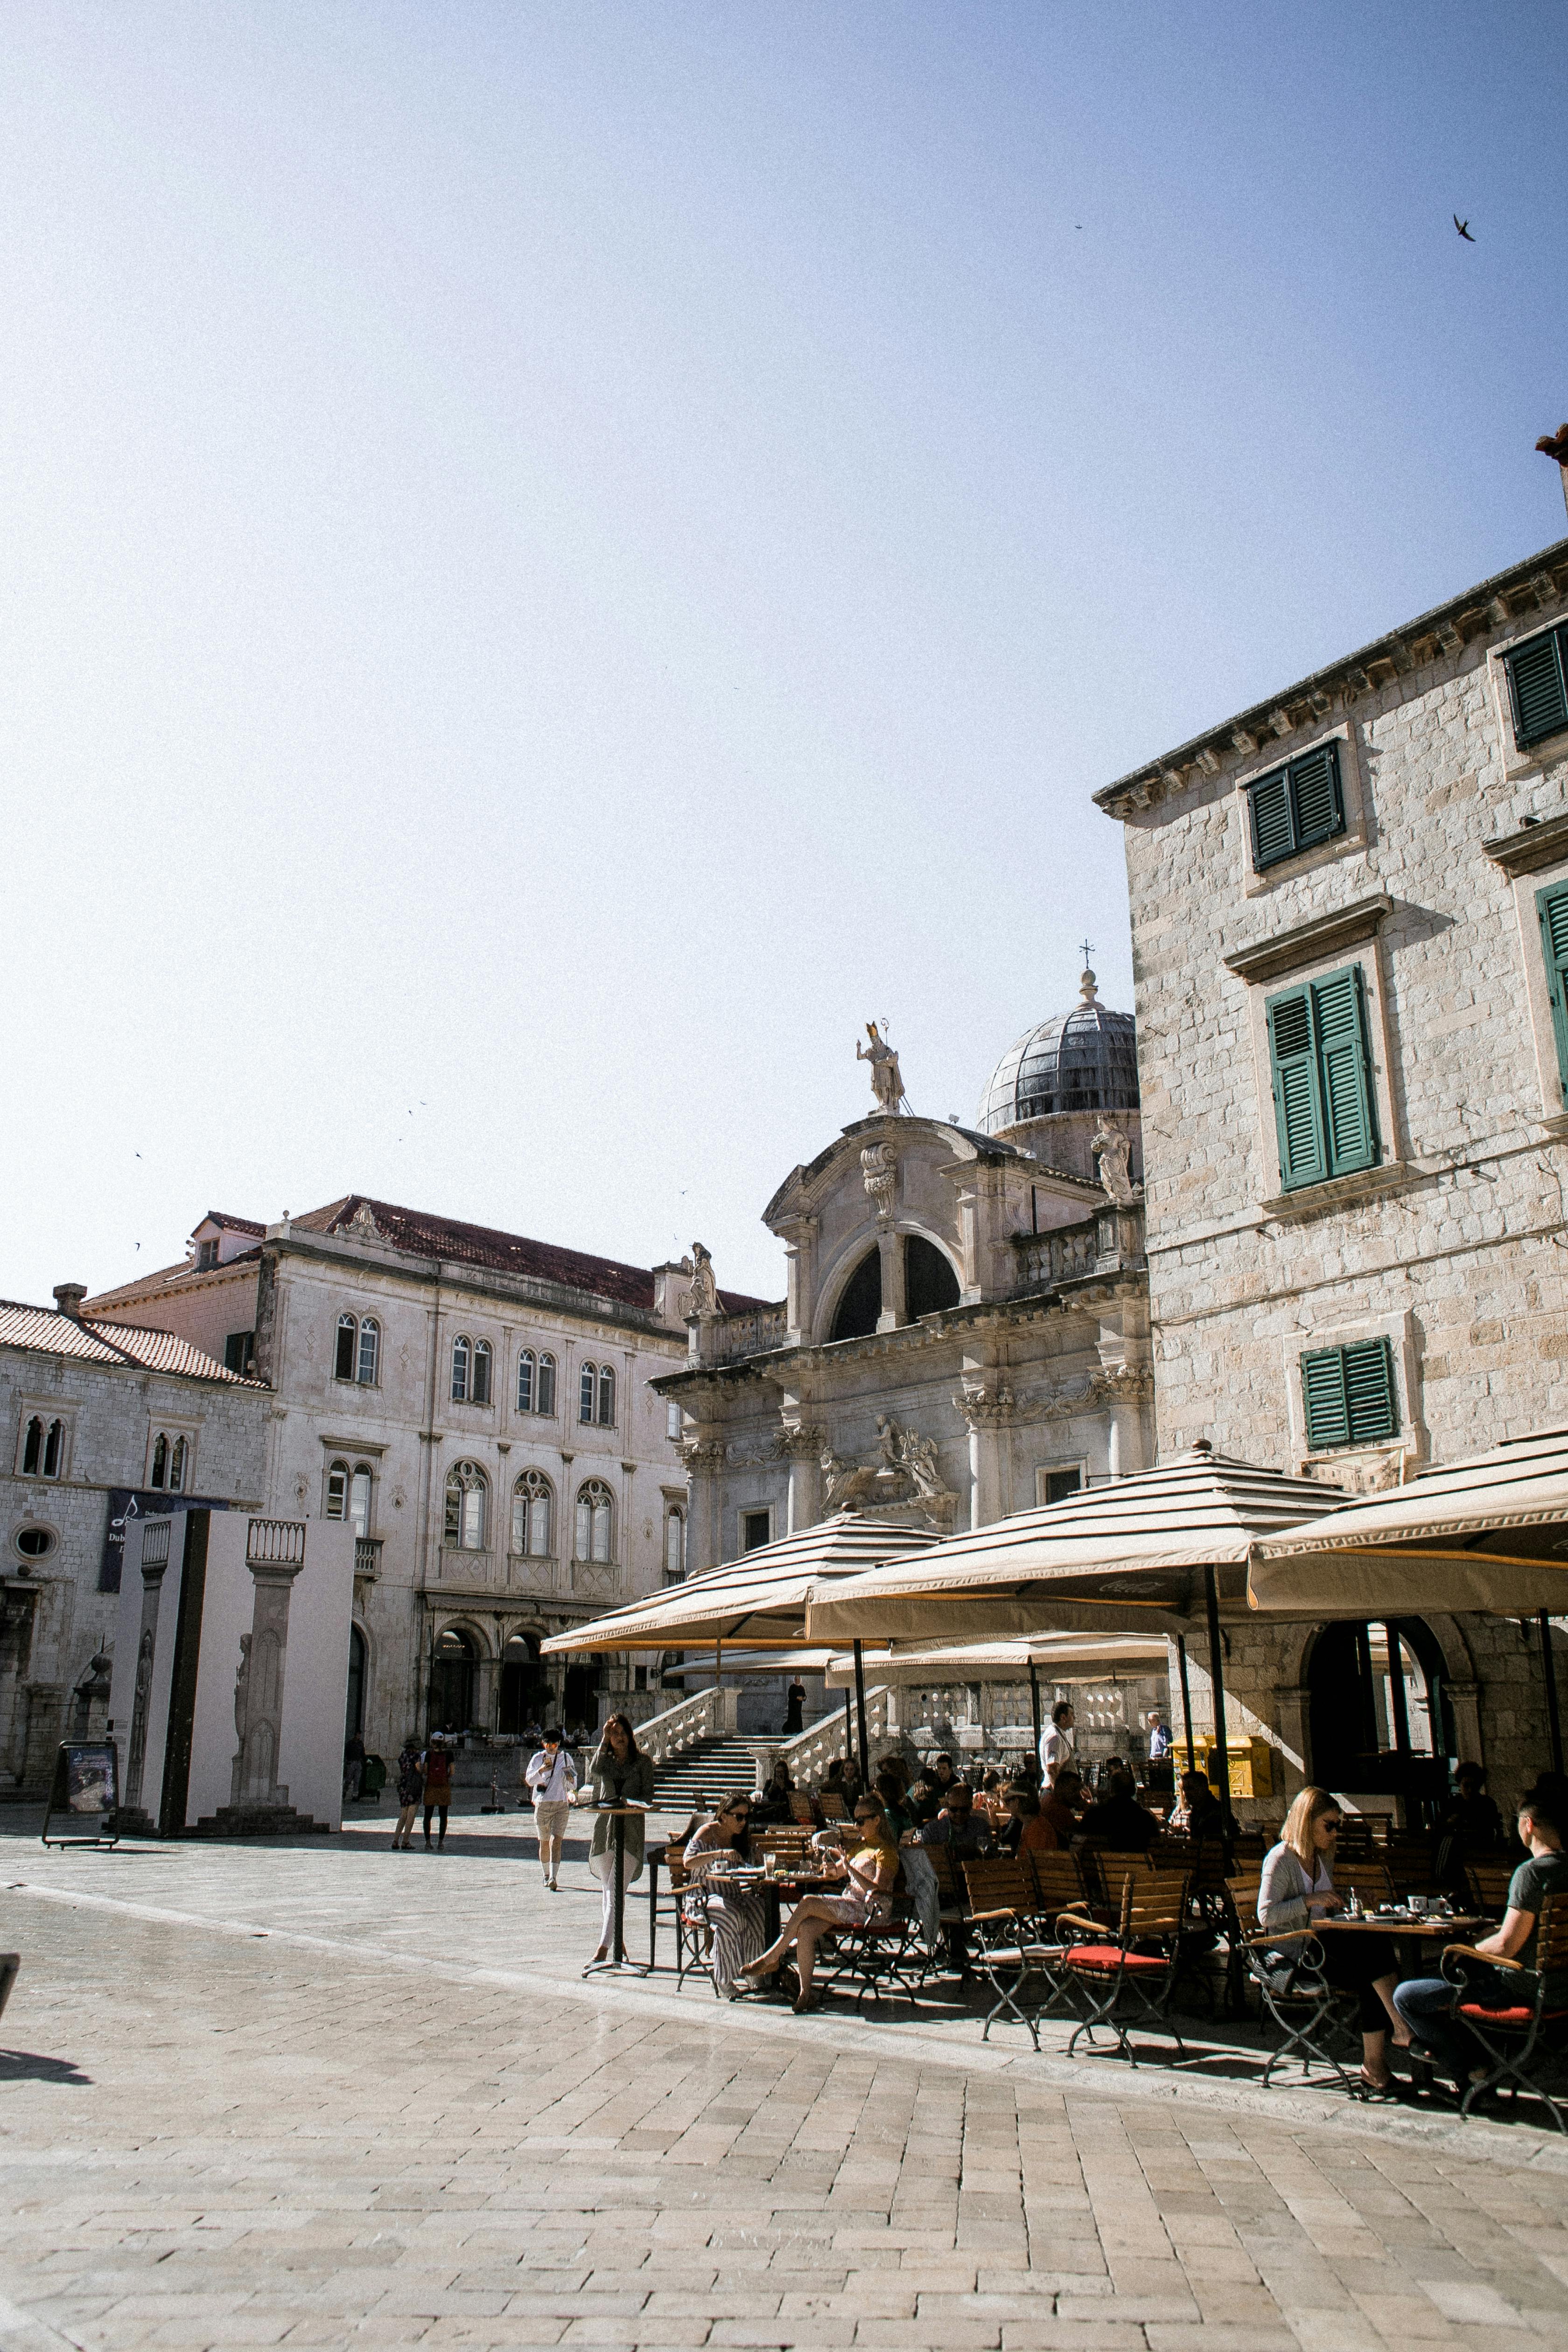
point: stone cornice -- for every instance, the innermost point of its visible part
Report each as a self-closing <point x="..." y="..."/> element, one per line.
<point x="1532" y="846"/>
<point x="1324" y="935"/>
<point x="1537" y="585"/>
<point x="453" y="1276"/>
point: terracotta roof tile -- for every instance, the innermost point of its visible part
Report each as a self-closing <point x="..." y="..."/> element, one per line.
<point x="99" y="1342"/>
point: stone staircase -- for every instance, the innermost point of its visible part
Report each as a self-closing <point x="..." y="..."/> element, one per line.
<point x="708" y="1769"/>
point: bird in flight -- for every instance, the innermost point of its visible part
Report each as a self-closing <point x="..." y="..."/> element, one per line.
<point x="1464" y="229"/>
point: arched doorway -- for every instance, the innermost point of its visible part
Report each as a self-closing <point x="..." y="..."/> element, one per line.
<point x="452" y="1681"/>
<point x="523" y="1688"/>
<point x="580" y="1700"/>
<point x="354" y="1714"/>
<point x="1374" y="1730"/>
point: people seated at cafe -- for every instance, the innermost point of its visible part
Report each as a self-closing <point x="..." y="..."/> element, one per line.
<point x="1295" y="1892"/>
<point x="1426" y="2003"/>
<point x="1061" y="1806"/>
<point x="1024" y="1829"/>
<point x="957" y="1826"/>
<point x="1199" y="1813"/>
<point x="772" y="1803"/>
<point x="736" y="1913"/>
<point x="889" y="1789"/>
<point x="1117" y="1820"/>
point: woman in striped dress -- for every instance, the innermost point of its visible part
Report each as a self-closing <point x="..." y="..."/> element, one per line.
<point x="737" y="1915"/>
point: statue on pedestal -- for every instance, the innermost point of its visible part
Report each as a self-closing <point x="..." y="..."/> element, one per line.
<point x="887" y="1083"/>
<point x="704" y="1300"/>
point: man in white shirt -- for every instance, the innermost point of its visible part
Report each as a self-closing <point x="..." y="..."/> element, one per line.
<point x="553" y="1777"/>
<point x="1057" y="1742"/>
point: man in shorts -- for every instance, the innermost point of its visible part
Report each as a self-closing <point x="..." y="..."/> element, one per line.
<point x="553" y="1777"/>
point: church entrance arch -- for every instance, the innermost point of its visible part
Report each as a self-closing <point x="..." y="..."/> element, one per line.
<point x="452" y="1681"/>
<point x="1374" y="1731"/>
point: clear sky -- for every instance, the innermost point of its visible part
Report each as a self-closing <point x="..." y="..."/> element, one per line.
<point x="555" y="560"/>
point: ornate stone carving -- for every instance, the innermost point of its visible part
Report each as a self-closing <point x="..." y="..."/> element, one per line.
<point x="987" y="1404"/>
<point x="904" y="1481"/>
<point x="1114" y="1151"/>
<point x="880" y="1170"/>
<point x="887" y="1083"/>
<point x="1121" y="1384"/>
<point x="704" y="1298"/>
<point x="798" y="1440"/>
<point x="363" y="1224"/>
<point x="700" y="1454"/>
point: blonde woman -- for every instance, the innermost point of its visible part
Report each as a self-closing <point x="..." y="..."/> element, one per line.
<point x="1295" y="1891"/>
<point x="867" y="1876"/>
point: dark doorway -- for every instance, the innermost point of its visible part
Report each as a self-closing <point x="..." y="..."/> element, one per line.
<point x="452" y="1683"/>
<point x="1370" y="1732"/>
<point x="523" y="1688"/>
<point x="930" y="1284"/>
<point x="862" y="1300"/>
<point x="354" y="1717"/>
<point x="581" y="1698"/>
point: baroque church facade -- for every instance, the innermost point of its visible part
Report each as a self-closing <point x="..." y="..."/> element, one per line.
<point x="965" y="1328"/>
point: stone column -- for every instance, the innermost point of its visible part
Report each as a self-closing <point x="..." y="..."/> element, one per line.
<point x="275" y="1555"/>
<point x="153" y="1573"/>
<point x="1465" y="1700"/>
<point x="704" y="1459"/>
<point x="798" y="1235"/>
<point x="803" y="1444"/>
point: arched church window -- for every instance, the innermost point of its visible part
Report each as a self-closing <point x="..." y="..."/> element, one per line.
<point x="481" y="1390"/>
<point x="348" y="1333"/>
<point x="530" y="1502"/>
<point x="931" y="1286"/>
<point x="462" y="1368"/>
<point x="862" y="1300"/>
<point x="595" y="1505"/>
<point x="467" y="1493"/>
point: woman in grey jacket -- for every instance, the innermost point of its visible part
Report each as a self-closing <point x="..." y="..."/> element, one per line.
<point x="1295" y="1891"/>
<point x="621" y="1774"/>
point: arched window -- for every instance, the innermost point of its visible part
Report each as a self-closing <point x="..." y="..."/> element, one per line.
<point x="861" y="1302"/>
<point x="160" y="1460"/>
<point x="177" y="1467"/>
<point x="337" y="1491"/>
<point x="545" y="1393"/>
<point x="587" y="1391"/>
<point x="54" y="1449"/>
<point x="594" y="1505"/>
<point x="674" y="1545"/>
<point x="467" y="1494"/>
<point x="33" y="1448"/>
<point x="359" y="1500"/>
<point x="462" y="1368"/>
<point x="606" y="1396"/>
<point x="931" y="1286"/>
<point x="481" y="1392"/>
<point x="452" y="1681"/>
<point x="530" y="1502"/>
<point x="348" y="1335"/>
<point x="369" y="1352"/>
<point x="527" y="1373"/>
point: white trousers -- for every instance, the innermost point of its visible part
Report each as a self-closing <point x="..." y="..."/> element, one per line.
<point x="605" y="1863"/>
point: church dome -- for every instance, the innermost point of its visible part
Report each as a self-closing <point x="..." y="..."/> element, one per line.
<point x="1083" y="1060"/>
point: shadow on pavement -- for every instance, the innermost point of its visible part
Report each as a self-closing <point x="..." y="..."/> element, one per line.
<point x="24" y="2066"/>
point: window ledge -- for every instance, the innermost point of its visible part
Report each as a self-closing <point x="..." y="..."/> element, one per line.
<point x="1338" y="1193"/>
<point x="1531" y="846"/>
<point x="1325" y="935"/>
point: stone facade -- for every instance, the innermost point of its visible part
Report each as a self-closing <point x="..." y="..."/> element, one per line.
<point x="472" y="1544"/>
<point x="101" y="1389"/>
<point x="1453" y="1245"/>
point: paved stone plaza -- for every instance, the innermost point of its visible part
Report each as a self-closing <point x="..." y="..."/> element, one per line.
<point x="324" y="2096"/>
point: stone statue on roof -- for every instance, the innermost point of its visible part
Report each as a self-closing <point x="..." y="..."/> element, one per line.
<point x="704" y="1300"/>
<point x="887" y="1083"/>
<point x="1114" y="1151"/>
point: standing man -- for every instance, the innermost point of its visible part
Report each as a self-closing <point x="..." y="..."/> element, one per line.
<point x="437" y="1763"/>
<point x="1056" y="1741"/>
<point x="1161" y="1770"/>
<point x="553" y="1775"/>
<point x="794" y="1702"/>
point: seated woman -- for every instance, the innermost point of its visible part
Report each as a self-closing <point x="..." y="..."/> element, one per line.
<point x="737" y="1915"/>
<point x="1297" y="1889"/>
<point x="771" y="1801"/>
<point x="867" y="1900"/>
<point x="1024" y="1829"/>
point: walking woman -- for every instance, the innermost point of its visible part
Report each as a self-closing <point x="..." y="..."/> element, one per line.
<point x="410" y="1785"/>
<point x="621" y="1774"/>
<point x="867" y="1900"/>
<point x="738" y="1916"/>
<point x="438" y="1764"/>
<point x="1297" y="1889"/>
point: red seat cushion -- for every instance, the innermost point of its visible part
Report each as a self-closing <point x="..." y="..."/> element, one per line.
<point x="1495" y="2016"/>
<point x="1111" y="1956"/>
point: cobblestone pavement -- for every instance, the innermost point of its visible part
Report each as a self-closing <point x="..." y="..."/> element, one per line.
<point x="326" y="2096"/>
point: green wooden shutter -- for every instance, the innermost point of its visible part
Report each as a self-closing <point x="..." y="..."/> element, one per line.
<point x="1315" y="792"/>
<point x="1553" y="907"/>
<point x="1538" y="688"/>
<point x="1298" y="1096"/>
<point x="1273" y="837"/>
<point x="1340" y="1020"/>
<point x="1323" y="1392"/>
<point x="1369" y="1390"/>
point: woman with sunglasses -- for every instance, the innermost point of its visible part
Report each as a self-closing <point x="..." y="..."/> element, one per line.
<point x="1297" y="1889"/>
<point x="738" y="1916"/>
<point x="868" y="1875"/>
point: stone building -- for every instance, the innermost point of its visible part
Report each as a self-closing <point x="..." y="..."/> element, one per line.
<point x="965" y="1332"/>
<point x="477" y="1406"/>
<point x="102" y="1421"/>
<point x="1350" y="924"/>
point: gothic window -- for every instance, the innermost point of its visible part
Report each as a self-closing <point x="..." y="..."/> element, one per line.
<point x="348" y="1334"/>
<point x="369" y="1352"/>
<point x="177" y="1467"/>
<point x="337" y="1491"/>
<point x="674" y="1545"/>
<point x="467" y="1494"/>
<point x="462" y="1370"/>
<point x="527" y="1378"/>
<point x="544" y="1396"/>
<point x="606" y="1397"/>
<point x="594" y="1506"/>
<point x="359" y="1500"/>
<point x="481" y="1388"/>
<point x="43" y="1448"/>
<point x="587" y="1391"/>
<point x="530" y="1503"/>
<point x="160" y="1460"/>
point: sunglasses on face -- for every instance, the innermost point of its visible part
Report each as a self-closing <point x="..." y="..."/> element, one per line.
<point x="1330" y="1829"/>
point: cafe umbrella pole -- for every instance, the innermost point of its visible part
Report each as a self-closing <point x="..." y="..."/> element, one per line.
<point x="860" y="1718"/>
<point x="1035" y="1701"/>
<point x="1186" y="1701"/>
<point x="1549" y="1671"/>
<point x="1217" y="1680"/>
